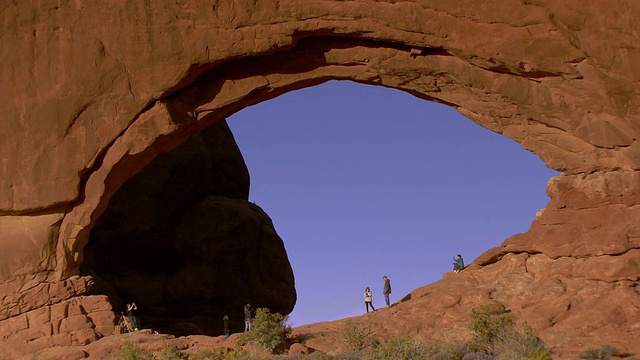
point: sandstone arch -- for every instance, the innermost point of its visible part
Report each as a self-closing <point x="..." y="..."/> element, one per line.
<point x="91" y="102"/>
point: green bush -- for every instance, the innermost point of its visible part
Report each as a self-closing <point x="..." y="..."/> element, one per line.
<point x="402" y="349"/>
<point x="130" y="352"/>
<point x="172" y="353"/>
<point x="269" y="330"/>
<point x="359" y="334"/>
<point x="601" y="353"/>
<point x="496" y="334"/>
<point x="452" y="350"/>
<point x="318" y="355"/>
<point x="211" y="354"/>
<point x="488" y="327"/>
<point x="520" y="345"/>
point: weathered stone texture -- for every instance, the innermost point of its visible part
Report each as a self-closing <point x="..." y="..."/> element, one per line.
<point x="94" y="91"/>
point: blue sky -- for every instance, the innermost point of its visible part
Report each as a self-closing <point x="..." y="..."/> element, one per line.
<point x="364" y="181"/>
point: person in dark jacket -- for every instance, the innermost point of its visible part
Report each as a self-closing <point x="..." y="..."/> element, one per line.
<point x="386" y="290"/>
<point x="458" y="264"/>
<point x="131" y="307"/>
<point x="227" y="331"/>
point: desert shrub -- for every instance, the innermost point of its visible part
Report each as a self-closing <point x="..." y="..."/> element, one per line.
<point x="318" y="355"/>
<point x="130" y="352"/>
<point x="359" y="334"/>
<point x="402" y="349"/>
<point x="210" y="354"/>
<point x="238" y="353"/>
<point x="496" y="334"/>
<point x="488" y="327"/>
<point x="451" y="350"/>
<point x="172" y="353"/>
<point x="520" y="345"/>
<point x="601" y="353"/>
<point x="269" y="330"/>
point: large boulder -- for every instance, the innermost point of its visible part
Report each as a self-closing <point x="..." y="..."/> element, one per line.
<point x="181" y="240"/>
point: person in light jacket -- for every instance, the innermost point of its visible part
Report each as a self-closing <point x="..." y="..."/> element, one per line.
<point x="368" y="299"/>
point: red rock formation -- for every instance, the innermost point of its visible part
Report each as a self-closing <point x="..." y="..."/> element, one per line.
<point x="181" y="240"/>
<point x="90" y="102"/>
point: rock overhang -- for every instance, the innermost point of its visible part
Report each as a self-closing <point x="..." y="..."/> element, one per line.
<point x="545" y="75"/>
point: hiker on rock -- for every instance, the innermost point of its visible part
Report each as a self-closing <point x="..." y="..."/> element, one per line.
<point x="247" y="317"/>
<point x="227" y="331"/>
<point x="368" y="299"/>
<point x="386" y="290"/>
<point x="458" y="264"/>
<point x="131" y="307"/>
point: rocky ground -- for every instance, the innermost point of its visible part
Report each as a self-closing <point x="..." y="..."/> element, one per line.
<point x="521" y="284"/>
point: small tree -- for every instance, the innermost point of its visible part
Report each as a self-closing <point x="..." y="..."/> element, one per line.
<point x="269" y="330"/>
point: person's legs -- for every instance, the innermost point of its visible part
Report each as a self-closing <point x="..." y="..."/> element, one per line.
<point x="386" y="299"/>
<point x="369" y="303"/>
<point x="134" y="323"/>
<point x="247" y="325"/>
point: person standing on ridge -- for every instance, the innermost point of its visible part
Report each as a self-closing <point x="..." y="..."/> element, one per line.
<point x="386" y="290"/>
<point x="368" y="299"/>
<point x="227" y="332"/>
<point x="458" y="264"/>
<point x="247" y="317"/>
<point x="131" y="307"/>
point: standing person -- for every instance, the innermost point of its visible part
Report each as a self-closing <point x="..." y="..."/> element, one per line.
<point x="386" y="290"/>
<point x="368" y="299"/>
<point x="227" y="332"/>
<point x="458" y="264"/>
<point x="247" y="317"/>
<point x="131" y="307"/>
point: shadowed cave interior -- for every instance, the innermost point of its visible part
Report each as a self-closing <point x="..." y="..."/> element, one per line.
<point x="181" y="240"/>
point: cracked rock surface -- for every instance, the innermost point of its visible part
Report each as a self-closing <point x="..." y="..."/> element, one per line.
<point x="88" y="103"/>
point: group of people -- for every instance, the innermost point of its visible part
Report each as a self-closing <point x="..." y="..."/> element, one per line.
<point x="247" y="321"/>
<point x="386" y="291"/>
<point x="130" y="308"/>
<point x="458" y="265"/>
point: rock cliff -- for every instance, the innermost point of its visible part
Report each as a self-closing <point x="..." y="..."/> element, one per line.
<point x="93" y="92"/>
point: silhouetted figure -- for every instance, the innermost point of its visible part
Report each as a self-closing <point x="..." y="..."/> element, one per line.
<point x="227" y="332"/>
<point x="247" y="317"/>
<point x="368" y="299"/>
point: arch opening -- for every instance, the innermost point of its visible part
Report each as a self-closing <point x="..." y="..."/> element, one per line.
<point x="176" y="236"/>
<point x="373" y="181"/>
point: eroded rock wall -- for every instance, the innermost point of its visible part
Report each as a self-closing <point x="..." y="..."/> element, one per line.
<point x="90" y="102"/>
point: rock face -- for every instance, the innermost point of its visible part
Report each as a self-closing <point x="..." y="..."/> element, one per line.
<point x="181" y="240"/>
<point x="90" y="102"/>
